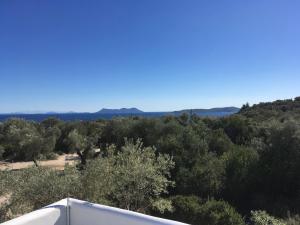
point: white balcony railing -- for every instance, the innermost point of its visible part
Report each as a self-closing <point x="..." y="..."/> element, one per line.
<point x="76" y="212"/>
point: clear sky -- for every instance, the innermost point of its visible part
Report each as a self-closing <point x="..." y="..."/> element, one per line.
<point x="156" y="55"/>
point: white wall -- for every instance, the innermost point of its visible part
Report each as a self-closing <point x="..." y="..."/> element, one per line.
<point x="85" y="213"/>
<point x="54" y="214"/>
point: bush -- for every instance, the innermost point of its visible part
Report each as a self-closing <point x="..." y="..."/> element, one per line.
<point x="263" y="218"/>
<point x="185" y="209"/>
<point x="293" y="220"/>
<point x="191" y="209"/>
<point x="4" y="213"/>
<point x="35" y="187"/>
<point x="215" y="212"/>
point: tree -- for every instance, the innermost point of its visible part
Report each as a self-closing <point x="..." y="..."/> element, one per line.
<point x="240" y="163"/>
<point x="279" y="170"/>
<point x="37" y="187"/>
<point x="134" y="178"/>
<point x="209" y="175"/>
<point x="24" y="141"/>
<point x="219" y="142"/>
<point x="51" y="122"/>
<point x="245" y="107"/>
<point x="185" y="209"/>
<point x="238" y="129"/>
<point x="80" y="144"/>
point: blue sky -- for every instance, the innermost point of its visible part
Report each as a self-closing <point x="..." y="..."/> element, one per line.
<point x="156" y="55"/>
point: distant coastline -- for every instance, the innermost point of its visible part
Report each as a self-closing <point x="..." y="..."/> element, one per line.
<point x="111" y="113"/>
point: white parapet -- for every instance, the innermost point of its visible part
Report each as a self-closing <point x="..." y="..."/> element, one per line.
<point x="76" y="212"/>
<point x="54" y="214"/>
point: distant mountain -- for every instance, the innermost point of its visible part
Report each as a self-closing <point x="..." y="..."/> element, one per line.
<point x="120" y="111"/>
<point x="224" y="110"/>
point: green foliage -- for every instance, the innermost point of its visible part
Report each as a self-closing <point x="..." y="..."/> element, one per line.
<point x="24" y="140"/>
<point x="292" y="220"/>
<point x="262" y="218"/>
<point x="4" y="181"/>
<point x="185" y="209"/>
<point x="208" y="175"/>
<point x="280" y="109"/>
<point x="4" y="215"/>
<point x="279" y="169"/>
<point x="219" y="213"/>
<point x="219" y="142"/>
<point x="238" y="129"/>
<point x="133" y="178"/>
<point x="240" y="174"/>
<point x="35" y="187"/>
<point x="75" y="141"/>
<point x="193" y="210"/>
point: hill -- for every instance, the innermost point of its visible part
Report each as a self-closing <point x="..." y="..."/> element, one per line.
<point x="212" y="111"/>
<point x="120" y="111"/>
<point x="280" y="109"/>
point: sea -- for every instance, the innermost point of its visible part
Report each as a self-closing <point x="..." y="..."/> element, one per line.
<point x="99" y="116"/>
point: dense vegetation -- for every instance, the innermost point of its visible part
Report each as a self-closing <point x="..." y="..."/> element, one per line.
<point x="212" y="171"/>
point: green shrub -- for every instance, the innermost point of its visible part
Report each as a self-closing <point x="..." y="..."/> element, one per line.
<point x="293" y="220"/>
<point x="36" y="187"/>
<point x="185" y="209"/>
<point x="191" y="209"/>
<point x="263" y="218"/>
<point x="4" y="213"/>
<point x="215" y="212"/>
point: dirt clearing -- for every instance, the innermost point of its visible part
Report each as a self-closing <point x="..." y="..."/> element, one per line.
<point x="58" y="163"/>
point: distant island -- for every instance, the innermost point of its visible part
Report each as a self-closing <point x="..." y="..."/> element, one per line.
<point x="207" y="111"/>
<point x="193" y="111"/>
<point x="120" y="111"/>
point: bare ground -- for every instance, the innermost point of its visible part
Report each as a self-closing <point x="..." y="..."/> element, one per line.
<point x="58" y="163"/>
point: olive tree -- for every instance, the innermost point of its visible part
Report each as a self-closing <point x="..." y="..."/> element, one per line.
<point x="81" y="144"/>
<point x="35" y="187"/>
<point x="133" y="178"/>
<point x="25" y="141"/>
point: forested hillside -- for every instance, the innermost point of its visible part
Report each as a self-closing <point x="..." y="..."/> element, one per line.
<point x="241" y="169"/>
<point x="280" y="109"/>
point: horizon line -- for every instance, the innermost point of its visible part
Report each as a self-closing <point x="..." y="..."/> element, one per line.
<point x="29" y="112"/>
